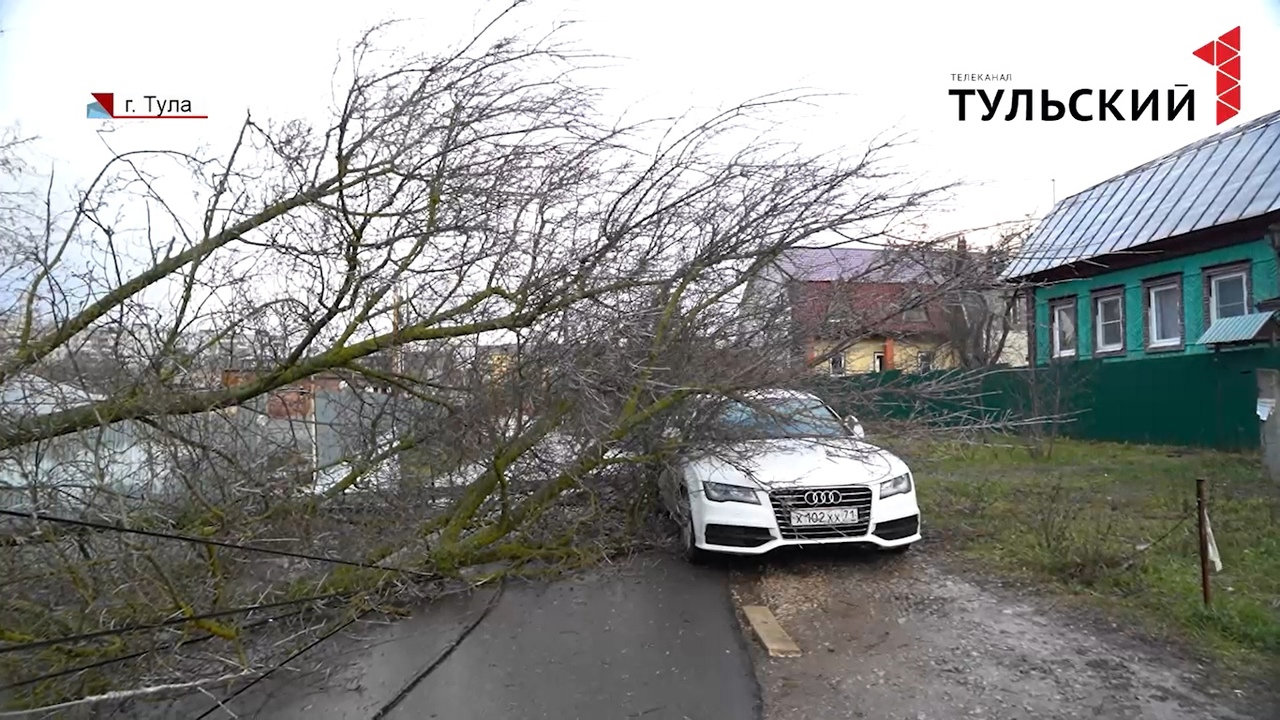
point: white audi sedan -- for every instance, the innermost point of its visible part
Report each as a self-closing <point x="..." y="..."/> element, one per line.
<point x="784" y="469"/>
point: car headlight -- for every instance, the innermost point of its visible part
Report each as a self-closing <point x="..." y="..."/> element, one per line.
<point x="720" y="492"/>
<point x="896" y="486"/>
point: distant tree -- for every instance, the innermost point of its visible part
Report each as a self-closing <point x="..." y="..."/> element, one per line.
<point x="983" y="311"/>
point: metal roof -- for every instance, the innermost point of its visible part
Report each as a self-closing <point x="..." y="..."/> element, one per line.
<point x="1231" y="176"/>
<point x="1240" y="328"/>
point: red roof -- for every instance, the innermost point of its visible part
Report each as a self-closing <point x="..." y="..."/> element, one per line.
<point x="822" y="307"/>
<point x="861" y="264"/>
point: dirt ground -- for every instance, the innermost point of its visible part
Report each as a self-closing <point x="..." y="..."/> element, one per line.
<point x="914" y="637"/>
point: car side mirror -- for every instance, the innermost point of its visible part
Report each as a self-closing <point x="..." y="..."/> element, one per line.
<point x="855" y="427"/>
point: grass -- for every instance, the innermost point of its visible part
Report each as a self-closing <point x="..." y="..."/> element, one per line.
<point x="1117" y="524"/>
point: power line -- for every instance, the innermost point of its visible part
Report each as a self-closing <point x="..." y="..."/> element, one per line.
<point x="208" y="541"/>
<point x="140" y="653"/>
<point x="170" y="622"/>
<point x="220" y="704"/>
<point x="444" y="655"/>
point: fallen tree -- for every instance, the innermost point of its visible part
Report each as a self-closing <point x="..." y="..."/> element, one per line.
<point x="169" y="475"/>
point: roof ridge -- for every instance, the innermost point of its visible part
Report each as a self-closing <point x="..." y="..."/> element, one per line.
<point x="1226" y="177"/>
<point x="830" y="247"/>
<point x="1258" y="122"/>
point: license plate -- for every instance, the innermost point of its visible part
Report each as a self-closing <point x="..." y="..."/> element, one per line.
<point x="824" y="516"/>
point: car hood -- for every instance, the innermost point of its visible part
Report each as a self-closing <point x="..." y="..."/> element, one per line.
<point x="799" y="463"/>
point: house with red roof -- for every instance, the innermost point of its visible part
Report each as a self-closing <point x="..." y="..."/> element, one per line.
<point x="849" y="310"/>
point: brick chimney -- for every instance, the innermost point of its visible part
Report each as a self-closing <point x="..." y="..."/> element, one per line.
<point x="961" y="244"/>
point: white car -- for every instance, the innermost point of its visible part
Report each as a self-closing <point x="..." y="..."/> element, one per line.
<point x="789" y="472"/>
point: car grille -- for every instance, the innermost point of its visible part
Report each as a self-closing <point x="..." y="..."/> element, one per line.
<point x="856" y="496"/>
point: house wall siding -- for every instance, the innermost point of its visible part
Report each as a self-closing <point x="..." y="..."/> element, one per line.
<point x="859" y="357"/>
<point x="1262" y="281"/>
<point x="1015" y="347"/>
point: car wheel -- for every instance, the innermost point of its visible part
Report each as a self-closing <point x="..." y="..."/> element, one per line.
<point x="689" y="549"/>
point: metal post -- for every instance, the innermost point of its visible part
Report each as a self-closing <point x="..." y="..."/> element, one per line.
<point x="397" y="352"/>
<point x="1201" y="513"/>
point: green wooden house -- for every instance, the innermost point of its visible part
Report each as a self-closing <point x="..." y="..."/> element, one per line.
<point x="1175" y="257"/>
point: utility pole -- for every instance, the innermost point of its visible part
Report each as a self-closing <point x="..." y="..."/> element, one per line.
<point x="397" y="359"/>
<point x="315" y="429"/>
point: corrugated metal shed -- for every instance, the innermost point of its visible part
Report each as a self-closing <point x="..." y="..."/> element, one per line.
<point x="1240" y="328"/>
<point x="1231" y="176"/>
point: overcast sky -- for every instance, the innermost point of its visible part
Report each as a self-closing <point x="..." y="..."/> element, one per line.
<point x="892" y="61"/>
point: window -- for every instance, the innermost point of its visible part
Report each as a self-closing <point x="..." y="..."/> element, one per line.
<point x="837" y="364"/>
<point x="877" y="362"/>
<point x="1108" y="323"/>
<point x="1062" y="322"/>
<point x="915" y="315"/>
<point x="1164" y="314"/>
<point x="925" y="361"/>
<point x="1228" y="296"/>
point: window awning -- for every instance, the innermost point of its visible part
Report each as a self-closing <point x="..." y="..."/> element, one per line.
<point x="1241" y="328"/>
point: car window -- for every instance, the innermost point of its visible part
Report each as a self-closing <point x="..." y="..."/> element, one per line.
<point x="780" y="419"/>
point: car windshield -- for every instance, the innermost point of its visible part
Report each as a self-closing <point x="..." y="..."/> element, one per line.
<point x="781" y="418"/>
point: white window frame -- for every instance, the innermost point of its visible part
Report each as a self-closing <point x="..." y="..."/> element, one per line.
<point x="836" y="364"/>
<point x="1153" y="326"/>
<point x="1214" y="280"/>
<point x="877" y="362"/>
<point x="920" y="360"/>
<point x="1099" y="345"/>
<point x="1055" y="338"/>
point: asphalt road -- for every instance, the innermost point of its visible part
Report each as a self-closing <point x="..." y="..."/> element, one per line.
<point x="655" y="639"/>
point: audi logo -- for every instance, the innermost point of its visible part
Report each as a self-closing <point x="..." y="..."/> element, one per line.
<point x="822" y="497"/>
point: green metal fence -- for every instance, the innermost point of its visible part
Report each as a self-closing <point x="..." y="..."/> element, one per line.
<point x="1203" y="400"/>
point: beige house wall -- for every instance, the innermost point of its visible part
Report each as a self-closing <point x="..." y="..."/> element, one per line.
<point x="902" y="354"/>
